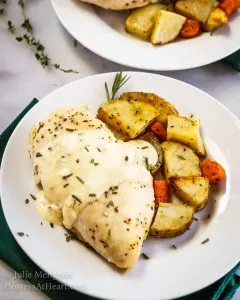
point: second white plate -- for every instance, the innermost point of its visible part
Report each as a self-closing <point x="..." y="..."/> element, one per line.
<point x="102" y="32"/>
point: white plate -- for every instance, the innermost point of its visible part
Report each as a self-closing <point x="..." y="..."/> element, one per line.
<point x="102" y="32"/>
<point x="168" y="273"/>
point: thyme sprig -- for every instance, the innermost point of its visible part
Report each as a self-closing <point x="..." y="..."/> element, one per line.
<point x="118" y="82"/>
<point x="28" y="38"/>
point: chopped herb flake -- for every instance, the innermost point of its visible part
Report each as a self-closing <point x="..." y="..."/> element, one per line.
<point x="205" y="241"/>
<point x="86" y="148"/>
<point x="181" y="157"/>
<point x="38" y="154"/>
<point x="67" y="176"/>
<point x="126" y="158"/>
<point x="147" y="163"/>
<point x="144" y="147"/>
<point x="145" y="256"/>
<point x="33" y="197"/>
<point x="76" y="198"/>
<point x="51" y="224"/>
<point x="174" y="247"/>
<point x="21" y="233"/>
<point x="79" y="179"/>
<point x="26" y="201"/>
<point x="70" y="129"/>
<point x="65" y="185"/>
<point x="92" y="195"/>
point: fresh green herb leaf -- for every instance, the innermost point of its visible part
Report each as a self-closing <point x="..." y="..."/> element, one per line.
<point x="118" y="82"/>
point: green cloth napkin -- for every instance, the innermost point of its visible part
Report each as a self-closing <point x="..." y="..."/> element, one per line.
<point x="233" y="60"/>
<point x="13" y="256"/>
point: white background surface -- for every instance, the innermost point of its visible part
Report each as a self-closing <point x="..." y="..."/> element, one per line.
<point x="22" y="78"/>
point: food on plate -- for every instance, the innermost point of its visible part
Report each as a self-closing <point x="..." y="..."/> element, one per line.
<point x="152" y="139"/>
<point x="212" y="170"/>
<point x="229" y="6"/>
<point x="128" y="117"/>
<point x="99" y="187"/>
<point x="195" y="9"/>
<point x="161" y="191"/>
<point x="179" y="160"/>
<point x="190" y="29"/>
<point x="158" y="128"/>
<point x="171" y="220"/>
<point x="164" y="108"/>
<point x="110" y="193"/>
<point x="167" y="27"/>
<point x="119" y="4"/>
<point x="217" y="18"/>
<point x="186" y="131"/>
<point x="142" y="20"/>
<point x="179" y="19"/>
<point x="192" y="190"/>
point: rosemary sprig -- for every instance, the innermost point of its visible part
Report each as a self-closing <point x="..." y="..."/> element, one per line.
<point x="28" y="38"/>
<point x="118" y="82"/>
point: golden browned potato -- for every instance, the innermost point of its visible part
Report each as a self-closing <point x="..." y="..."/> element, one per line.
<point x="141" y="21"/>
<point x="152" y="139"/>
<point x="129" y="117"/>
<point x="167" y="27"/>
<point x="195" y="9"/>
<point x="164" y="108"/>
<point x="186" y="131"/>
<point x="217" y="18"/>
<point x="192" y="190"/>
<point x="171" y="220"/>
<point x="179" y="160"/>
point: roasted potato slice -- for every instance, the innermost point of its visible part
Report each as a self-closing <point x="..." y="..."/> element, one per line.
<point x="152" y="139"/>
<point x="141" y="21"/>
<point x="167" y="27"/>
<point x="187" y="132"/>
<point x="192" y="190"/>
<point x="129" y="117"/>
<point x="179" y="160"/>
<point x="171" y="220"/>
<point x="195" y="9"/>
<point x="217" y="18"/>
<point x="164" y="108"/>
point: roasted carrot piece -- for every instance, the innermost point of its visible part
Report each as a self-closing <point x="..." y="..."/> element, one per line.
<point x="190" y="29"/>
<point x="212" y="170"/>
<point x="161" y="191"/>
<point x="158" y="128"/>
<point x="229" y="6"/>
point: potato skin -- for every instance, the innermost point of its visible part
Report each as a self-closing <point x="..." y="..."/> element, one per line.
<point x="171" y="220"/>
<point x="192" y="191"/>
<point x="195" y="9"/>
<point x="164" y="108"/>
<point x="152" y="139"/>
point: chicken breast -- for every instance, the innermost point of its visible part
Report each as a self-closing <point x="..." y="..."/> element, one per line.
<point x="95" y="185"/>
<point x="119" y="4"/>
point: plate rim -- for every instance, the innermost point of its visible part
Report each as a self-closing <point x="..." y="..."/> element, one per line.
<point x="99" y="53"/>
<point x="131" y="73"/>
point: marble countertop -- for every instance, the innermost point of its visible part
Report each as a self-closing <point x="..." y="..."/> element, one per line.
<point x="22" y="78"/>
